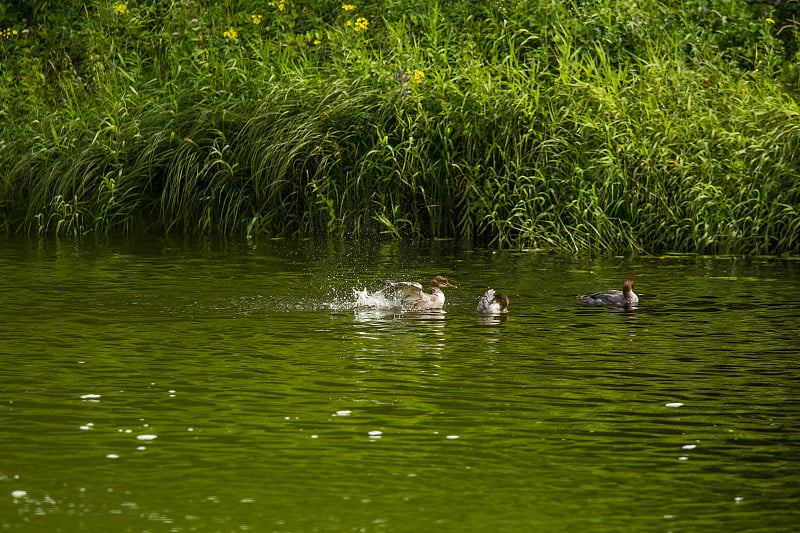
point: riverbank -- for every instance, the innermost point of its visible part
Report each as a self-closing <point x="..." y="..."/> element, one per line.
<point x="617" y="127"/>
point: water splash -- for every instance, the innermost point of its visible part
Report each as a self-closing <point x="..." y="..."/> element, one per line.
<point x="376" y="300"/>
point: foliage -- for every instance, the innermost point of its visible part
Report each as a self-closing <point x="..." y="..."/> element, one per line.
<point x="629" y="125"/>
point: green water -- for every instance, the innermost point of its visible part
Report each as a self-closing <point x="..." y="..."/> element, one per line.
<point x="229" y="387"/>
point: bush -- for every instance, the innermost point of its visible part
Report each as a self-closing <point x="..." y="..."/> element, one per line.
<point x="570" y="125"/>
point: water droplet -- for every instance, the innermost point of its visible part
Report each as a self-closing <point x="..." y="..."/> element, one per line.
<point x="674" y="404"/>
<point x="146" y="437"/>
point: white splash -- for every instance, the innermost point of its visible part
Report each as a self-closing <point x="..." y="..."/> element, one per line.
<point x="376" y="300"/>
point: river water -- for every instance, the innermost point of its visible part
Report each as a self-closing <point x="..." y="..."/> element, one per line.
<point x="173" y="386"/>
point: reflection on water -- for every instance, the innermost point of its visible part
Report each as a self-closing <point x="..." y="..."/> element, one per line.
<point x="233" y="387"/>
<point x="432" y="315"/>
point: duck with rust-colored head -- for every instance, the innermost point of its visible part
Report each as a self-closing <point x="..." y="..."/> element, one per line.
<point x="625" y="297"/>
<point x="493" y="303"/>
<point x="412" y="296"/>
<point x="408" y="295"/>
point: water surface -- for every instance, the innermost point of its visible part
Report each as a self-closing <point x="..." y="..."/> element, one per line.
<point x="170" y="386"/>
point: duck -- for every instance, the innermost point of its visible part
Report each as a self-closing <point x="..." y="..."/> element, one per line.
<point x="412" y="296"/>
<point x="625" y="297"/>
<point x="493" y="303"/>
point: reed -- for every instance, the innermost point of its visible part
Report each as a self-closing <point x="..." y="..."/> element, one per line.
<point x="602" y="126"/>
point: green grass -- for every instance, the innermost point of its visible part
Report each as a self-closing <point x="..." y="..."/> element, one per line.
<point x="577" y="126"/>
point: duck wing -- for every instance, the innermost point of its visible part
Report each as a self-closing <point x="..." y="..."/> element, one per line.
<point x="609" y="297"/>
<point x="403" y="290"/>
<point x="486" y="301"/>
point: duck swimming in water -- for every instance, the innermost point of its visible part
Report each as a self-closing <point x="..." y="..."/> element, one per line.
<point x="625" y="297"/>
<point x="493" y="303"/>
<point x="408" y="294"/>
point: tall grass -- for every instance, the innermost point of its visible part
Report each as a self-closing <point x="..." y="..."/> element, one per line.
<point x="575" y="126"/>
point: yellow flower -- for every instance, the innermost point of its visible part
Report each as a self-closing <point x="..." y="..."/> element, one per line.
<point x="257" y="19"/>
<point x="231" y="34"/>
<point x="317" y="42"/>
<point x="361" y="24"/>
<point x="770" y="21"/>
<point x="348" y="7"/>
<point x="121" y="9"/>
<point x="417" y="76"/>
<point x="280" y="4"/>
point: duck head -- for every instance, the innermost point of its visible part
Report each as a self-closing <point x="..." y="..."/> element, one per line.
<point x="628" y="286"/>
<point x="502" y="299"/>
<point x="441" y="281"/>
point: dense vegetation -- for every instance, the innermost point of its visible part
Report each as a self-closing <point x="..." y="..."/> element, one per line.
<point x="613" y="125"/>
